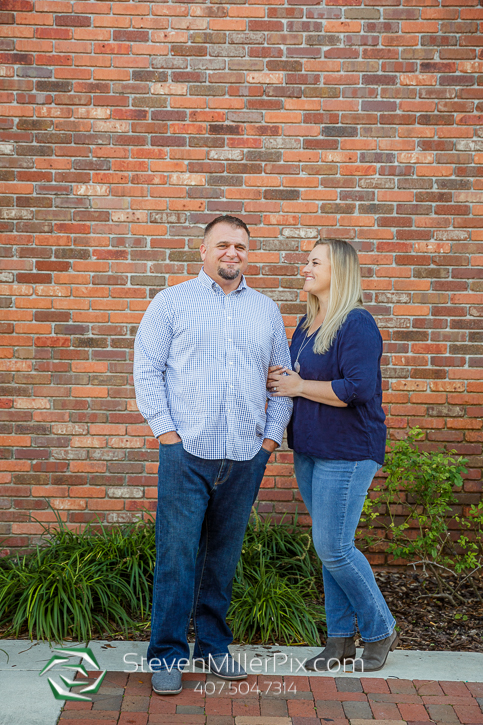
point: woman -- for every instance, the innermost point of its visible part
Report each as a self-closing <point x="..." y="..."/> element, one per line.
<point x="338" y="436"/>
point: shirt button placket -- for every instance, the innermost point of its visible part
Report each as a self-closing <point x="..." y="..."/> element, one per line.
<point x="231" y="367"/>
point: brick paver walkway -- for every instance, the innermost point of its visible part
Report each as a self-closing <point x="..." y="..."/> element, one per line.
<point x="267" y="700"/>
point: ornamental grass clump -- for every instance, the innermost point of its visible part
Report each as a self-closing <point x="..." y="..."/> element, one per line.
<point x="274" y="592"/>
<point x="99" y="581"/>
<point x="79" y="583"/>
<point x="270" y="609"/>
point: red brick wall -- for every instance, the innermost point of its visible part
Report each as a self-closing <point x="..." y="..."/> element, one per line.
<point x="125" y="127"/>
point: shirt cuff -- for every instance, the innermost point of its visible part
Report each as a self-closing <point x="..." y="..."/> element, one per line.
<point x="162" y="423"/>
<point x="274" y="431"/>
<point x="340" y="388"/>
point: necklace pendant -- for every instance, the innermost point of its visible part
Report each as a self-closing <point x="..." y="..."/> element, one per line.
<point x="296" y="367"/>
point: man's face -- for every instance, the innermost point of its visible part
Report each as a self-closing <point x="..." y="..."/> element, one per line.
<point x="225" y="252"/>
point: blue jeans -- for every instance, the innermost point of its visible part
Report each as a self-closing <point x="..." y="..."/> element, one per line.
<point x="203" y="510"/>
<point x="334" y="492"/>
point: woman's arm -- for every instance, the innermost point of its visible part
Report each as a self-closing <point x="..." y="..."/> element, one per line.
<point x="359" y="353"/>
<point x="283" y="382"/>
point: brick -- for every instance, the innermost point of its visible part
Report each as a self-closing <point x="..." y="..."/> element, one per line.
<point x="469" y="714"/>
<point x="301" y="708"/>
<point x="373" y="684"/>
<point x="218" y="706"/>
<point x="330" y="709"/>
<point x="377" y="722"/>
<point x="413" y="712"/>
<point x="271" y="707"/>
<point x="132" y="718"/>
<point x="262" y="721"/>
<point x="357" y="710"/>
<point x="458" y="689"/>
<point x="442" y="713"/>
<point x="404" y="687"/>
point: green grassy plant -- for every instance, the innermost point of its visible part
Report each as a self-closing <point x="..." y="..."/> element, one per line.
<point x="272" y="610"/>
<point x="79" y="583"/>
<point x="286" y="547"/>
<point x="274" y="588"/>
<point x="99" y="581"/>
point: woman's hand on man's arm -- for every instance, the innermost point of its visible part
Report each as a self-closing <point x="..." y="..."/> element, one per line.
<point x="283" y="382"/>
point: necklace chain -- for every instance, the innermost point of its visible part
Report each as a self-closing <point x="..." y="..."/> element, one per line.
<point x="296" y="365"/>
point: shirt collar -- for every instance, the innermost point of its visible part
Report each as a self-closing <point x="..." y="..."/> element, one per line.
<point x="208" y="282"/>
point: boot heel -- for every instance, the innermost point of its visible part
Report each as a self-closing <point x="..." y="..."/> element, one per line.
<point x="395" y="644"/>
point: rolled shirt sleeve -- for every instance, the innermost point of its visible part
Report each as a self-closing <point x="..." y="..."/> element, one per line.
<point x="359" y="354"/>
<point x="151" y="350"/>
<point x="279" y="410"/>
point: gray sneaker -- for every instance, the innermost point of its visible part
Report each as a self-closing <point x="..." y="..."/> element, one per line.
<point x="165" y="682"/>
<point x="223" y="666"/>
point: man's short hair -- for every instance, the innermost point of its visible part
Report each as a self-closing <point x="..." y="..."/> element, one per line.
<point x="233" y="221"/>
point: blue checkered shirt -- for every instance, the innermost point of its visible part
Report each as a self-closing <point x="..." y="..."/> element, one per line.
<point x="201" y="359"/>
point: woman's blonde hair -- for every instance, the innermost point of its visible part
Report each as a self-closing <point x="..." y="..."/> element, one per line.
<point x="345" y="292"/>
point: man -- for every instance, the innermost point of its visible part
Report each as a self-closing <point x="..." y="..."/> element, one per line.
<point x="202" y="354"/>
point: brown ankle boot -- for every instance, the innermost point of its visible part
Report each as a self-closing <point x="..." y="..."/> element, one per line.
<point x="336" y="651"/>
<point x="375" y="654"/>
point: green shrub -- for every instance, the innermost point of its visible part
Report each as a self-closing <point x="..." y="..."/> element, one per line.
<point x="416" y="505"/>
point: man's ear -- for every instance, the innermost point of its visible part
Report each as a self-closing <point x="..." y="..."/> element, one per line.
<point x="203" y="251"/>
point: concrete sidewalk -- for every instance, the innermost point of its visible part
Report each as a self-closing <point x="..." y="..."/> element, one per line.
<point x="25" y="698"/>
<point x="277" y="692"/>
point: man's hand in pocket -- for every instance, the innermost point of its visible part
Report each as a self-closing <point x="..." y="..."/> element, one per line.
<point x="169" y="438"/>
<point x="269" y="445"/>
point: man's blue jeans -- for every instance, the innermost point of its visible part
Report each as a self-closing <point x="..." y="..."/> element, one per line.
<point x="203" y="510"/>
<point x="334" y="492"/>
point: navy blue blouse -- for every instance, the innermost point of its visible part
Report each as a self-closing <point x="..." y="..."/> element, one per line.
<point x="353" y="364"/>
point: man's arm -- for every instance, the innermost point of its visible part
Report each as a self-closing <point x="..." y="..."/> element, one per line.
<point x="151" y="350"/>
<point x="279" y="409"/>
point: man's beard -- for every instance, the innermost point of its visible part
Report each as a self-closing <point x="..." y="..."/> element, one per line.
<point x="228" y="273"/>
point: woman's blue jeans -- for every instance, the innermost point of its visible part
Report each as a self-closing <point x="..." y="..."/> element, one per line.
<point x="334" y="492"/>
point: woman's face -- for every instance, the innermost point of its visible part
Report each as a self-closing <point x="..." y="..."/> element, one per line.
<point x="317" y="271"/>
